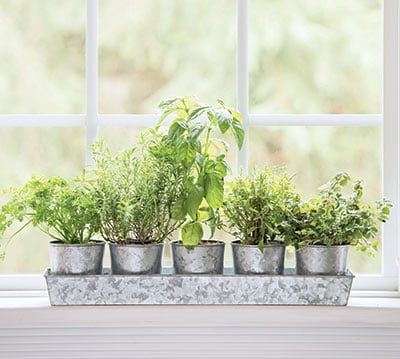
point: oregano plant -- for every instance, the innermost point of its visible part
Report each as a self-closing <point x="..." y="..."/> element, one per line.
<point x="335" y="217"/>
<point x="201" y="159"/>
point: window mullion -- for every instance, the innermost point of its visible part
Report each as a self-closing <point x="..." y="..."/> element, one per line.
<point x="137" y="120"/>
<point x="391" y="134"/>
<point x="242" y="77"/>
<point x="315" y="120"/>
<point x="42" y="120"/>
<point x="91" y="74"/>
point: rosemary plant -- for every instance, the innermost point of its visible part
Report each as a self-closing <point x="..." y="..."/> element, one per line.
<point x="135" y="193"/>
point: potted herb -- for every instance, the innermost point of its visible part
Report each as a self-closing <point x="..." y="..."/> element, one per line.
<point x="65" y="212"/>
<point x="323" y="228"/>
<point x="135" y="193"/>
<point x="255" y="208"/>
<point x="202" y="167"/>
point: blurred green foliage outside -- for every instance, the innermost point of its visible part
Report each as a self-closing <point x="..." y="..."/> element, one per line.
<point x="306" y="56"/>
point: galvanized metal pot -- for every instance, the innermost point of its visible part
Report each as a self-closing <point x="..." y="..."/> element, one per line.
<point x="248" y="259"/>
<point x="330" y="260"/>
<point x="205" y="258"/>
<point x="76" y="258"/>
<point x="136" y="258"/>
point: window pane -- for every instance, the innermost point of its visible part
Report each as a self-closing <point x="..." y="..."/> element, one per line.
<point x="151" y="50"/>
<point x="47" y="151"/>
<point x="119" y="138"/>
<point x="315" y="154"/>
<point x="42" y="67"/>
<point x="315" y="56"/>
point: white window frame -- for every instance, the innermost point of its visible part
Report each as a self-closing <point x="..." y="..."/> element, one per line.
<point x="388" y="280"/>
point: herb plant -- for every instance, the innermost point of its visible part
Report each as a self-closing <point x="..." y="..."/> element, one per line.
<point x="201" y="160"/>
<point x="65" y="211"/>
<point x="255" y="207"/>
<point x="135" y="193"/>
<point x="337" y="218"/>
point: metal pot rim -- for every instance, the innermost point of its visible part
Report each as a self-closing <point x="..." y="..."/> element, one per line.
<point x="323" y="246"/>
<point x="237" y="243"/>
<point x="215" y="242"/>
<point x="135" y="244"/>
<point x="92" y="243"/>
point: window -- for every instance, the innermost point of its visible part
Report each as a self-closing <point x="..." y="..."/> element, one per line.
<point x="308" y="77"/>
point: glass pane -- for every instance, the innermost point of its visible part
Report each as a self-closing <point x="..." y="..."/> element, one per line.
<point x="315" y="56"/>
<point x="42" y="69"/>
<point x="315" y="154"/>
<point x="151" y="50"/>
<point x="119" y="138"/>
<point x="47" y="151"/>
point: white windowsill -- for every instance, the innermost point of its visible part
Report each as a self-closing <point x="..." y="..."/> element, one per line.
<point x="368" y="328"/>
<point x="39" y="299"/>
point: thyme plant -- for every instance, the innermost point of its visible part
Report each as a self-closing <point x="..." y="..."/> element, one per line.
<point x="255" y="207"/>
<point x="201" y="159"/>
<point x="337" y="218"/>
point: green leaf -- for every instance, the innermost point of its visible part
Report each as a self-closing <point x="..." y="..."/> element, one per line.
<point x="179" y="209"/>
<point x="176" y="129"/>
<point x="200" y="159"/>
<point x="197" y="112"/>
<point x="212" y="221"/>
<point x="209" y="166"/>
<point x="187" y="153"/>
<point x="196" y="130"/>
<point x="344" y="178"/>
<point x="191" y="234"/>
<point x="224" y="120"/>
<point x="221" y="166"/>
<point x="214" y="188"/>
<point x="194" y="200"/>
<point x="238" y="132"/>
<point x="163" y="116"/>
<point x="236" y="114"/>
<point x="203" y="214"/>
<point x="167" y="102"/>
<point x="375" y="246"/>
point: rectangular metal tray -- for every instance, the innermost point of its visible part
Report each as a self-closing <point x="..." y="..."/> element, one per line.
<point x="173" y="289"/>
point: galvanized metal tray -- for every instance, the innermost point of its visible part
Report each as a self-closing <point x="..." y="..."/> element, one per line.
<point x="226" y="289"/>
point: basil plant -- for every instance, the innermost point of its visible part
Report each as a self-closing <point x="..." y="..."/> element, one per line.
<point x="193" y="140"/>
